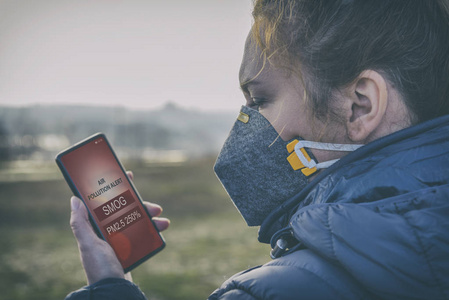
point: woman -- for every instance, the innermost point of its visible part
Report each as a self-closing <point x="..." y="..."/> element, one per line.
<point x="341" y="155"/>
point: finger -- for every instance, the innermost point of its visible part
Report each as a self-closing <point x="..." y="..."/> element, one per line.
<point x="161" y="223"/>
<point x="79" y="222"/>
<point x="154" y="209"/>
<point x="130" y="174"/>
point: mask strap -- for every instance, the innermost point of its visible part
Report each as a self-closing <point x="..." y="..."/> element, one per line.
<point x="322" y="146"/>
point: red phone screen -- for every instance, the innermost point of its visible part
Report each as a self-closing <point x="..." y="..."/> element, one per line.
<point x="93" y="170"/>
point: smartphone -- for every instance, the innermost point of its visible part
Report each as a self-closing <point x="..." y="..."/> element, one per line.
<point x="115" y="208"/>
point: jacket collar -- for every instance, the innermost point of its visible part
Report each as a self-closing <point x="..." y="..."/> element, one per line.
<point x="279" y="218"/>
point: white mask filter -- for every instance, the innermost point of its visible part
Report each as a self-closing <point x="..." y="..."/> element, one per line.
<point x="311" y="163"/>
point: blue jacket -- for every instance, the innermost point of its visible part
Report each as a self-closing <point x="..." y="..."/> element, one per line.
<point x="373" y="226"/>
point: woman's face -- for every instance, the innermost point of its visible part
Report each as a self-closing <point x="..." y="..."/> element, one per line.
<point x="279" y="97"/>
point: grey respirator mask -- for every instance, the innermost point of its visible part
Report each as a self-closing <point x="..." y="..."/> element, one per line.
<point x="260" y="171"/>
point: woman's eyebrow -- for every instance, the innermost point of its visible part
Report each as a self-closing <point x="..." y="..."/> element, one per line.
<point x="245" y="84"/>
<point x="244" y="80"/>
<point x="250" y="77"/>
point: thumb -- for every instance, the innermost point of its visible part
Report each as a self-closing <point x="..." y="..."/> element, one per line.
<point x="79" y="222"/>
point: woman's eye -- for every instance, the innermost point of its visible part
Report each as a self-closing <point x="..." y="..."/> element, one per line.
<point x="257" y="102"/>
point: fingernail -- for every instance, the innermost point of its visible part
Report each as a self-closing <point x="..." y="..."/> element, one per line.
<point x="74" y="203"/>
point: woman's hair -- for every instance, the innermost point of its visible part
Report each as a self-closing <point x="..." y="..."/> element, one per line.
<point x="332" y="42"/>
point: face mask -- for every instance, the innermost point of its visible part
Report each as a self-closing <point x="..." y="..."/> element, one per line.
<point x="260" y="171"/>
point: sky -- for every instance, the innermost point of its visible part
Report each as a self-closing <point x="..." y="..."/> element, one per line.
<point x="139" y="54"/>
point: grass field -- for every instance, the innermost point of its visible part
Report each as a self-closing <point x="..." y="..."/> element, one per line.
<point x="207" y="241"/>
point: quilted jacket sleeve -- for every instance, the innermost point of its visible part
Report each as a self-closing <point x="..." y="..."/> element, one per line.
<point x="108" y="289"/>
<point x="300" y="275"/>
<point x="232" y="294"/>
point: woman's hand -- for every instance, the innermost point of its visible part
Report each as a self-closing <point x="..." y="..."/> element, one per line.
<point x="98" y="258"/>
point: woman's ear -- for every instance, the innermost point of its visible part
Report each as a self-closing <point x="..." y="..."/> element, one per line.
<point x="368" y="98"/>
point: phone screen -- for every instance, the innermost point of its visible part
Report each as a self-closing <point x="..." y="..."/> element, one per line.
<point x="95" y="175"/>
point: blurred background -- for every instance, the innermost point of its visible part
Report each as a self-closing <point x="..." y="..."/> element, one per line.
<point x="160" y="79"/>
